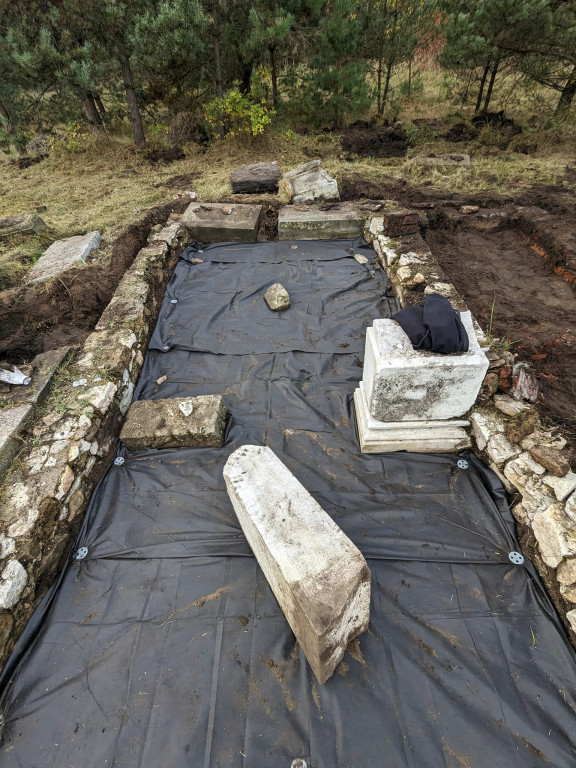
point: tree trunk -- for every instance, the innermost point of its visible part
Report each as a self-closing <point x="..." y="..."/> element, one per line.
<point x="481" y="89"/>
<point x="91" y="111"/>
<point x="101" y="107"/>
<point x="135" y="116"/>
<point x="274" y="75"/>
<point x="245" y="79"/>
<point x="568" y="93"/>
<point x="490" y="87"/>
<point x="379" y="86"/>
<point x="386" y="85"/>
<point x="217" y="57"/>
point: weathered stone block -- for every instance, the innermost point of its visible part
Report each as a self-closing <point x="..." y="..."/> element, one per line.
<point x="62" y="255"/>
<point x="415" y="436"/>
<point x="403" y="222"/>
<point x="501" y="450"/>
<point x="176" y="422"/>
<point x="22" y="225"/>
<point x="554" y="535"/>
<point x="314" y="224"/>
<point x="14" y="579"/>
<point x="12" y="421"/>
<point x="562" y="486"/>
<point x="483" y="427"/>
<point x="255" y="178"/>
<point x="404" y="384"/>
<point x="311" y="182"/>
<point x="208" y="223"/>
<point x="317" y="574"/>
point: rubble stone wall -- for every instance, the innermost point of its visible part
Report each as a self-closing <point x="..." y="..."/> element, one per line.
<point x="47" y="488"/>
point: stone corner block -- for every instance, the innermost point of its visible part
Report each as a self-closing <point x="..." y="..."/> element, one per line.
<point x="175" y="423"/>
<point x="319" y="577"/>
<point x="404" y="384"/>
<point x="311" y="182"/>
<point x="215" y="223"/>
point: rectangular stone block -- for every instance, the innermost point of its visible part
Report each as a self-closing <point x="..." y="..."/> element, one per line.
<point x="62" y="255"/>
<point x="404" y="384"/>
<point x="314" y="224"/>
<point x="255" y="178"/>
<point x="415" y="436"/>
<point x="175" y="423"/>
<point x="319" y="577"/>
<point x="208" y="222"/>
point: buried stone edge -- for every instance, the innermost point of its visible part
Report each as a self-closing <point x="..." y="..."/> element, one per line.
<point x="542" y="499"/>
<point x="47" y="488"/>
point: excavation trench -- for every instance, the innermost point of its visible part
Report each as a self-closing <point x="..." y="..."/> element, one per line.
<point x="161" y="642"/>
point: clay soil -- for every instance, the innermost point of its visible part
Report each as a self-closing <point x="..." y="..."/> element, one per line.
<point x="64" y="311"/>
<point x="513" y="295"/>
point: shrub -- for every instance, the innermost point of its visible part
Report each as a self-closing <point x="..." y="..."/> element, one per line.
<point x="237" y="113"/>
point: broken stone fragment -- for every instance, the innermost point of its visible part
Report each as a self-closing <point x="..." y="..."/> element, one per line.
<point x="524" y="383"/>
<point x="554" y="535"/>
<point x="319" y="577"/>
<point x="63" y="255"/>
<point x="175" y="423"/>
<point x="23" y="225"/>
<point x="555" y="461"/>
<point x="277" y="298"/>
<point x="311" y="182"/>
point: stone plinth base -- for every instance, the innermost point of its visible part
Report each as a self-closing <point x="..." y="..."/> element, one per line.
<point x="416" y="436"/>
<point x="222" y="222"/>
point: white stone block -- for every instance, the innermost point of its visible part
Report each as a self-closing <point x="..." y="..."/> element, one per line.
<point x="562" y="486"/>
<point x="484" y="427"/>
<point x="404" y="384"/>
<point x="554" y="535"/>
<point x="14" y="579"/>
<point x="318" y="576"/>
<point x="500" y="449"/>
<point x="415" y="436"/>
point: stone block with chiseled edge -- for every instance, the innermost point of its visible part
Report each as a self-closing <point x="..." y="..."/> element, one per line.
<point x="319" y="577"/>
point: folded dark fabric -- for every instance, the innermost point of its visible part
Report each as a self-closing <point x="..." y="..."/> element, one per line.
<point x="434" y="325"/>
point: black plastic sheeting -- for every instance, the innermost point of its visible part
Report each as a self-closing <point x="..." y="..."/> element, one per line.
<point x="164" y="646"/>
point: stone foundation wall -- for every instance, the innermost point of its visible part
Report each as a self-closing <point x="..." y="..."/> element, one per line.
<point x="506" y="431"/>
<point x="73" y="436"/>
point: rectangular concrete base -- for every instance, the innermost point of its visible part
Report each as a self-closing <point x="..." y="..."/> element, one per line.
<point x="319" y="577"/>
<point x="314" y="224"/>
<point x="416" y="436"/>
<point x="222" y="222"/>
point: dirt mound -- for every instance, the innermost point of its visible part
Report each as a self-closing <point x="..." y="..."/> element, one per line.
<point x="183" y="181"/>
<point x="368" y="140"/>
<point x="164" y="156"/>
<point x="64" y="311"/>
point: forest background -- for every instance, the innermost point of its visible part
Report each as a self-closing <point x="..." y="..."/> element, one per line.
<point x="96" y="91"/>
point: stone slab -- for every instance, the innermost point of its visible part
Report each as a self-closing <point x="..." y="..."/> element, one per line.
<point x="22" y="225"/>
<point x="311" y="182"/>
<point x="208" y="223"/>
<point x="63" y="255"/>
<point x="175" y="422"/>
<point x="255" y="178"/>
<point x="319" y="577"/>
<point x="44" y="368"/>
<point x="418" y="437"/>
<point x="404" y="384"/>
<point x="314" y="224"/>
<point x="12" y="420"/>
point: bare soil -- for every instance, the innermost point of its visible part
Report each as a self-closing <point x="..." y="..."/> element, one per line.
<point x="64" y="311"/>
<point x="514" y="296"/>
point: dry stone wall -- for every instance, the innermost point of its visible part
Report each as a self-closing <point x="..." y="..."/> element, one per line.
<point x="47" y="489"/>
